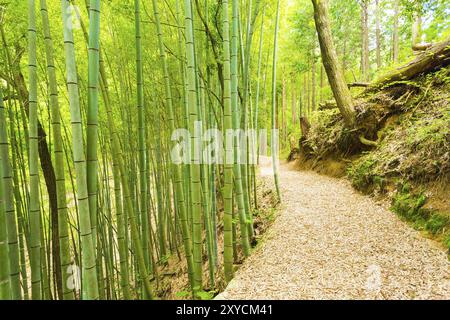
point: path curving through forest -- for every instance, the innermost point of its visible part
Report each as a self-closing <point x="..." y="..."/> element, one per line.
<point x="330" y="242"/>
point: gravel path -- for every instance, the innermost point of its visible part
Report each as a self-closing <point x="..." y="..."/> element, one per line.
<point x="329" y="242"/>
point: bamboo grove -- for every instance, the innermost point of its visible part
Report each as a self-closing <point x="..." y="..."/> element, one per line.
<point x="92" y="203"/>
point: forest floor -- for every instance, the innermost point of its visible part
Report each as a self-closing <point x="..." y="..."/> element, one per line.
<point x="331" y="242"/>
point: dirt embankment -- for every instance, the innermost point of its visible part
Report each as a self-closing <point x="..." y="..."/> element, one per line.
<point x="409" y="159"/>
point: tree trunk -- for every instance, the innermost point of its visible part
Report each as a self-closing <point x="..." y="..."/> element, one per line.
<point x="283" y="111"/>
<point x="378" y="33"/>
<point x="322" y="83"/>
<point x="294" y="103"/>
<point x="305" y="95"/>
<point x="313" y="82"/>
<point x="417" y="30"/>
<point x="365" y="41"/>
<point x="305" y="126"/>
<point x="308" y="93"/>
<point x="395" y="40"/>
<point x="335" y="75"/>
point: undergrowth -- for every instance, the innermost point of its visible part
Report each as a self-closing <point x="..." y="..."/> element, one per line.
<point x="416" y="145"/>
<point x="327" y="134"/>
<point x="411" y="206"/>
<point x="412" y="121"/>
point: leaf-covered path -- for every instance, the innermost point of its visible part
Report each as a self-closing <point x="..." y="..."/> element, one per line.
<point x="329" y="242"/>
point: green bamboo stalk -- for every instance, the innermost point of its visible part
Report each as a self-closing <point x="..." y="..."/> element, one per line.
<point x="63" y="231"/>
<point x="121" y="230"/>
<point x="120" y="216"/>
<point x="34" y="206"/>
<point x="159" y="189"/>
<point x="229" y="159"/>
<point x="5" y="277"/>
<point x="129" y="209"/>
<point x="246" y="93"/>
<point x="89" y="272"/>
<point x="45" y="259"/>
<point x="8" y="198"/>
<point x="184" y="108"/>
<point x="92" y="113"/>
<point x="195" y="181"/>
<point x="274" y="143"/>
<point x="20" y="206"/>
<point x="258" y="82"/>
<point x="209" y="174"/>
<point x="141" y="136"/>
<point x="238" y="185"/>
<point x="117" y="153"/>
<point x="258" y="89"/>
<point x="176" y="169"/>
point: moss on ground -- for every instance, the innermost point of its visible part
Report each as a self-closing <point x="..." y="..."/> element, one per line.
<point x="410" y="206"/>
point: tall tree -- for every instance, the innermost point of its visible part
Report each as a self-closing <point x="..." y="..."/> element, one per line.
<point x="365" y="65"/>
<point x="417" y="24"/>
<point x="378" y="33"/>
<point x="313" y="78"/>
<point x="395" y="36"/>
<point x="330" y="62"/>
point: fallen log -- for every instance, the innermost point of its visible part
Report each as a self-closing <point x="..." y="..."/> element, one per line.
<point x="432" y="59"/>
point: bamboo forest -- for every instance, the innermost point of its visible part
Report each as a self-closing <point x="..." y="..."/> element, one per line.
<point x="224" y="149"/>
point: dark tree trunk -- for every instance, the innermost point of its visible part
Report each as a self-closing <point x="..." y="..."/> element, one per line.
<point x="335" y="75"/>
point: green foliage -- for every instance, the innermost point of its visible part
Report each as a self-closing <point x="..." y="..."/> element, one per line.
<point x="411" y="206"/>
<point x="408" y="205"/>
<point x="183" y="294"/>
<point x="165" y="259"/>
<point x="205" y="295"/>
<point x="447" y="241"/>
<point x="359" y="174"/>
<point x="414" y="148"/>
<point x="437" y="223"/>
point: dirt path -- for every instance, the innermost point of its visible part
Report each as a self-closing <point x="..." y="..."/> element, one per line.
<point x="329" y="242"/>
